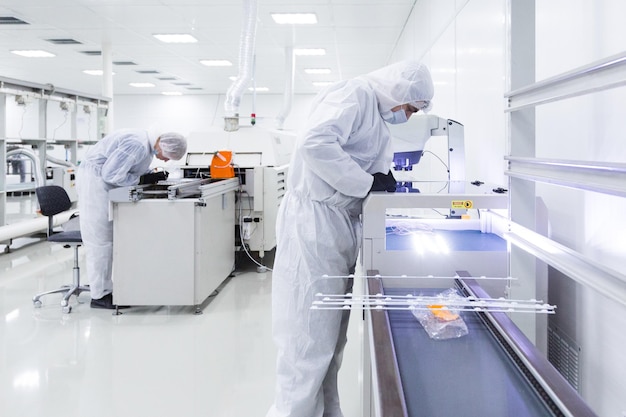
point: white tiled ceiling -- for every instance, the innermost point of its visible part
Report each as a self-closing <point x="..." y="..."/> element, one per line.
<point x="358" y="35"/>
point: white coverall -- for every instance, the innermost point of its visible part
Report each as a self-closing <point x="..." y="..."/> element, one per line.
<point x="117" y="160"/>
<point x="344" y="142"/>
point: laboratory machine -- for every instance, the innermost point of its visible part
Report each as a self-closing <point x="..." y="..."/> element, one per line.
<point x="174" y="241"/>
<point x="260" y="160"/>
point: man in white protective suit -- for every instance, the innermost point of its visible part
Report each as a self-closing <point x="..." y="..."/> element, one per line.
<point x="119" y="159"/>
<point x="343" y="153"/>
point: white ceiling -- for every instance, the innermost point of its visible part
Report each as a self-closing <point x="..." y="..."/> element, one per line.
<point x="358" y="35"/>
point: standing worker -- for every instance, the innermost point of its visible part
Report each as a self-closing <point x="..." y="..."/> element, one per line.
<point x="343" y="153"/>
<point x="117" y="160"/>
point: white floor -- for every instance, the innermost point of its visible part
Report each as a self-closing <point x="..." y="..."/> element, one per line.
<point x="161" y="361"/>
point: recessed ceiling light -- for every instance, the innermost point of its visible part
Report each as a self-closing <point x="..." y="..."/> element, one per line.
<point x="216" y="62"/>
<point x="176" y="38"/>
<point x="259" y="89"/>
<point x="95" y="72"/>
<point x="294" y="18"/>
<point x="322" y="83"/>
<point x="317" y="70"/>
<point x="233" y="78"/>
<point x="172" y="93"/>
<point x="141" y="85"/>
<point x="34" y="54"/>
<point x="310" y="51"/>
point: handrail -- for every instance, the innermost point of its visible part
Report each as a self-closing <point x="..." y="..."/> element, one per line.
<point x="600" y="75"/>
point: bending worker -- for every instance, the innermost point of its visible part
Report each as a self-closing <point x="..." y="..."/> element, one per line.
<point x="117" y="160"/>
<point x="343" y="153"/>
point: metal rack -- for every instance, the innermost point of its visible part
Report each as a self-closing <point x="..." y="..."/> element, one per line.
<point x="43" y="93"/>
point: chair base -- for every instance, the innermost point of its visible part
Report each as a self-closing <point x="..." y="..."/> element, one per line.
<point x="67" y="290"/>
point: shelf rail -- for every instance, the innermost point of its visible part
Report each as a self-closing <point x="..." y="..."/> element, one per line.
<point x="602" y="177"/>
<point x="585" y="271"/>
<point x="600" y="75"/>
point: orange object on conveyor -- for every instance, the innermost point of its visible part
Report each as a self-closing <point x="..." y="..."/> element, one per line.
<point x="222" y="165"/>
<point x="442" y="312"/>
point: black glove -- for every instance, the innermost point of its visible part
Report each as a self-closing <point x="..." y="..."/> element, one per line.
<point x="384" y="182"/>
<point x="153" y="177"/>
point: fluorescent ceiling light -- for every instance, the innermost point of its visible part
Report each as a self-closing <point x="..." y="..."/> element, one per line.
<point x="172" y="93"/>
<point x="322" y="83"/>
<point x="216" y="62"/>
<point x="294" y="18"/>
<point x="310" y="51"/>
<point x="142" y="85"/>
<point x="317" y="70"/>
<point x="34" y="54"/>
<point x="233" y="78"/>
<point x="259" y="89"/>
<point x="176" y="38"/>
<point x="95" y="72"/>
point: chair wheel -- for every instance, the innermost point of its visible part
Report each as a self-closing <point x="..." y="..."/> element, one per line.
<point x="67" y="309"/>
<point x="37" y="304"/>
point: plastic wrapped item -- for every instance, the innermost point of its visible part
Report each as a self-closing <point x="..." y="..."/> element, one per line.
<point x="439" y="321"/>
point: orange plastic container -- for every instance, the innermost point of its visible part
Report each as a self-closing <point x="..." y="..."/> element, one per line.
<point x="222" y="165"/>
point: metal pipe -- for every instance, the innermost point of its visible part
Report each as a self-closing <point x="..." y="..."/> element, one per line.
<point x="288" y="94"/>
<point x="246" y="55"/>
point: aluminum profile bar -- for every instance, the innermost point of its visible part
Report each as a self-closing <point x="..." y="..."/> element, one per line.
<point x="607" y="178"/>
<point x="600" y="75"/>
<point x="581" y="269"/>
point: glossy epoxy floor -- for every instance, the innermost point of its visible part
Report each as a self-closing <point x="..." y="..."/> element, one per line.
<point x="149" y="361"/>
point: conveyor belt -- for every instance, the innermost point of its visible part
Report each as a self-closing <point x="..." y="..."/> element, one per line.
<point x="477" y="375"/>
<point x="469" y="376"/>
<point x="457" y="240"/>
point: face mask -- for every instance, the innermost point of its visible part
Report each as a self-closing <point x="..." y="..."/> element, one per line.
<point x="396" y="117"/>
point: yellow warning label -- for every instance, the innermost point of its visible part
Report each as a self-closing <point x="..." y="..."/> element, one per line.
<point x="462" y="204"/>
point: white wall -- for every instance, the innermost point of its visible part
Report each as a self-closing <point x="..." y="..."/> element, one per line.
<point x="462" y="42"/>
<point x="193" y="113"/>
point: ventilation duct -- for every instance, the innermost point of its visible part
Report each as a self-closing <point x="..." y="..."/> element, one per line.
<point x="288" y="95"/>
<point x="246" y="55"/>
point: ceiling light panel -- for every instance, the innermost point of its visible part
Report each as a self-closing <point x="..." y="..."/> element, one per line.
<point x="295" y="18"/>
<point x="216" y="62"/>
<point x="310" y="52"/>
<point x="142" y="85"/>
<point x="317" y="70"/>
<point x="33" y="53"/>
<point x="176" y="38"/>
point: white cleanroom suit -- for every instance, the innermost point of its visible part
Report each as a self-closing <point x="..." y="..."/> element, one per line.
<point x="345" y="141"/>
<point x="117" y="160"/>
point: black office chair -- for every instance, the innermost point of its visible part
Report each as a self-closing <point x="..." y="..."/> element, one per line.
<point x="52" y="201"/>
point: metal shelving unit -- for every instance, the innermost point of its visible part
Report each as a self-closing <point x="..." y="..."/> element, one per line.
<point x="43" y="93"/>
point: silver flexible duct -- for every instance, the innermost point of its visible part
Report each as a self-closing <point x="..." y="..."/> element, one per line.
<point x="288" y="95"/>
<point x="246" y="54"/>
<point x="40" y="178"/>
<point x="60" y="162"/>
